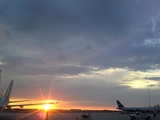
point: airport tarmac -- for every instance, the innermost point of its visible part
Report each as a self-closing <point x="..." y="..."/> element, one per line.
<point x="65" y="116"/>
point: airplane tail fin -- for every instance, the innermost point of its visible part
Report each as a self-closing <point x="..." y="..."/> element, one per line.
<point x="119" y="104"/>
<point x="8" y="92"/>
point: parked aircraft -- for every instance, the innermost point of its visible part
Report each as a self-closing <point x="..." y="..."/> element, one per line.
<point x="4" y="100"/>
<point x="133" y="109"/>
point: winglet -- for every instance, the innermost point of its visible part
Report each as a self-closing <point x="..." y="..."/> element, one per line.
<point x="8" y="92"/>
<point x="119" y="104"/>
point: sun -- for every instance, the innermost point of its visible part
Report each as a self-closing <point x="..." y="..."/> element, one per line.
<point x="46" y="107"/>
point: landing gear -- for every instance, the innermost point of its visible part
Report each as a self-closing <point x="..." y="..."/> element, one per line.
<point x="148" y="118"/>
<point x="133" y="118"/>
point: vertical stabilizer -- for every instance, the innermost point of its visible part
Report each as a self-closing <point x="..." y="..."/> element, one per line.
<point x="119" y="104"/>
<point x="8" y="92"/>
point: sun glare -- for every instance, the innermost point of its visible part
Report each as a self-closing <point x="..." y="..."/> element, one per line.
<point x="46" y="107"/>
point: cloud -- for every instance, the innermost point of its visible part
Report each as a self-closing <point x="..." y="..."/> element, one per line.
<point x="152" y="78"/>
<point x="100" y="34"/>
<point x="56" y="29"/>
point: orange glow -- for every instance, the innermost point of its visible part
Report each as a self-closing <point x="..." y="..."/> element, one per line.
<point x="48" y="101"/>
<point x="64" y="105"/>
<point x="69" y="105"/>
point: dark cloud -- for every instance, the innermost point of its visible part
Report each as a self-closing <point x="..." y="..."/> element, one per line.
<point x="152" y="85"/>
<point x="36" y="66"/>
<point x="153" y="78"/>
<point x="107" y="33"/>
<point x="60" y="16"/>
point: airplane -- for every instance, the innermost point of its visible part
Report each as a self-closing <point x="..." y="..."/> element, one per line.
<point x="4" y="100"/>
<point x="133" y="109"/>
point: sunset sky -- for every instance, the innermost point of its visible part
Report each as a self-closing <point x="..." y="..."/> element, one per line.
<point x="85" y="53"/>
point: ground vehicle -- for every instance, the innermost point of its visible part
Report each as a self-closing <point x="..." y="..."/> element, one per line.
<point x="138" y="115"/>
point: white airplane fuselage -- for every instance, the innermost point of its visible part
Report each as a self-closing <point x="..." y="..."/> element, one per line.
<point x="133" y="109"/>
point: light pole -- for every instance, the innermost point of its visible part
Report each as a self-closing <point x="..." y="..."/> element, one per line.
<point x="0" y="75"/>
<point x="149" y="96"/>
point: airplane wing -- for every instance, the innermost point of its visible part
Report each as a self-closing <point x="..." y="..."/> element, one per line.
<point x="14" y="101"/>
<point x="29" y="104"/>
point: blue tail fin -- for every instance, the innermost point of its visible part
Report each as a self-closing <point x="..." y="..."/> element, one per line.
<point x="119" y="104"/>
<point x="8" y="92"/>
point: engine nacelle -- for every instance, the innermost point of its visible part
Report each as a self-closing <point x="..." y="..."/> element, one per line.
<point x="8" y="107"/>
<point x="21" y="106"/>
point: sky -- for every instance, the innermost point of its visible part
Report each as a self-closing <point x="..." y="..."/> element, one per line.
<point x="84" y="53"/>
